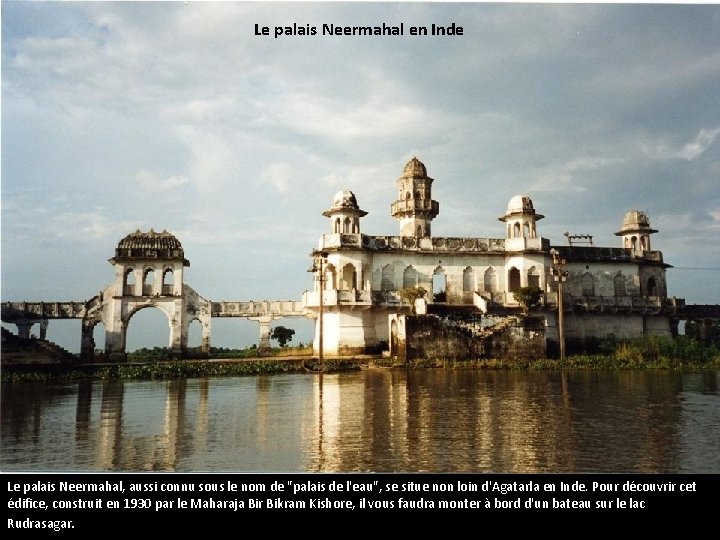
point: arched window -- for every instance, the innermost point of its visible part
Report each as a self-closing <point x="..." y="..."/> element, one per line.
<point x="330" y="277"/>
<point x="468" y="280"/>
<point x="526" y="230"/>
<point x="148" y="281"/>
<point x="588" y="284"/>
<point x="509" y="231"/>
<point x="349" y="277"/>
<point x="516" y="230"/>
<point x="387" y="282"/>
<point x="633" y="242"/>
<point x="533" y="277"/>
<point x="129" y="278"/>
<point x="408" y="195"/>
<point x="490" y="280"/>
<point x="410" y="277"/>
<point x="337" y="226"/>
<point x="356" y="226"/>
<point x="513" y="279"/>
<point x="642" y="243"/>
<point x="167" y="281"/>
<point x="419" y="231"/>
<point x="439" y="281"/>
<point x="129" y="282"/>
<point x="620" y="285"/>
<point x="652" y="289"/>
<point x="346" y="225"/>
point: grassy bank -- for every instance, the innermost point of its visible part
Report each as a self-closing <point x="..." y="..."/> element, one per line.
<point x="159" y="370"/>
<point x="643" y="353"/>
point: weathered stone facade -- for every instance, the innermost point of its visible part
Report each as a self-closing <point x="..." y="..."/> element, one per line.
<point x="148" y="273"/>
<point x="608" y="290"/>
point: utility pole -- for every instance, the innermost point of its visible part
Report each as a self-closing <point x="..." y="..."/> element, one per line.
<point x="560" y="275"/>
<point x="319" y="260"/>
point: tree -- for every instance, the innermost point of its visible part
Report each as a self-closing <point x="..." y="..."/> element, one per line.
<point x="527" y="297"/>
<point x="282" y="334"/>
<point x="411" y="294"/>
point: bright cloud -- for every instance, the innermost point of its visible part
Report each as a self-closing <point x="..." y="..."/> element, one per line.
<point x="153" y="183"/>
<point x="126" y="115"/>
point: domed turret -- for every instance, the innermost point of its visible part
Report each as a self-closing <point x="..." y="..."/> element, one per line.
<point x="520" y="204"/>
<point x="521" y="217"/>
<point x="636" y="231"/>
<point x="149" y="264"/>
<point x="414" y="208"/>
<point x="150" y="245"/>
<point x="415" y="167"/>
<point x="345" y="213"/>
<point x="345" y="199"/>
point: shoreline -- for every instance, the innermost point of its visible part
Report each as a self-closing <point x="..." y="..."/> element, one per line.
<point x="229" y="367"/>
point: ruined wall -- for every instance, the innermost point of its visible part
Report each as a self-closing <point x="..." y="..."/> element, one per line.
<point x="434" y="337"/>
<point x="428" y="336"/>
<point x="523" y="338"/>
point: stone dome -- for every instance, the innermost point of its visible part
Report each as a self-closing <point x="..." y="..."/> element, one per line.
<point x="635" y="221"/>
<point x="635" y="218"/>
<point x="150" y="245"/>
<point x="520" y="204"/>
<point x="345" y="199"/>
<point x="415" y="167"/>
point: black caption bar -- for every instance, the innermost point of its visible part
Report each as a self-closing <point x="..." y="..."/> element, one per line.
<point x="85" y="503"/>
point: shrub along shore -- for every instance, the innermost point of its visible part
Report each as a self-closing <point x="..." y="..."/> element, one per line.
<point x="643" y="353"/>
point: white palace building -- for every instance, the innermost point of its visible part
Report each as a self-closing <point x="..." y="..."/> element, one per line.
<point x="619" y="291"/>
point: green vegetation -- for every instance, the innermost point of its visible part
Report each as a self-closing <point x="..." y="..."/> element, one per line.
<point x="410" y="294"/>
<point x="158" y="354"/>
<point x="527" y="297"/>
<point x="168" y="369"/>
<point x="707" y="333"/>
<point x="648" y="352"/>
<point x="282" y="335"/>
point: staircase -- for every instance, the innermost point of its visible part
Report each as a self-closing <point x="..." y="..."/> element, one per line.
<point x="21" y="351"/>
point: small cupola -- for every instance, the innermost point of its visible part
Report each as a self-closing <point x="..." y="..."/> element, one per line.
<point x="521" y="218"/>
<point x="636" y="231"/>
<point x="345" y="213"/>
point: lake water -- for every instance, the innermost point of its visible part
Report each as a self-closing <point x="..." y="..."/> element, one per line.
<point x="377" y="420"/>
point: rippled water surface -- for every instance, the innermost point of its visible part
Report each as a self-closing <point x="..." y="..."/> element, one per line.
<point x="372" y="420"/>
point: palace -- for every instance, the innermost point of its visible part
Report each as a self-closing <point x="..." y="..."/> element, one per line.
<point x="619" y="291"/>
<point x="410" y="295"/>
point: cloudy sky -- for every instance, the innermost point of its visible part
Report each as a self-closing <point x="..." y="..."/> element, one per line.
<point x="176" y="115"/>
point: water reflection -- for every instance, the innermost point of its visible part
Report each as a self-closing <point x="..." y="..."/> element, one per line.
<point x="378" y="420"/>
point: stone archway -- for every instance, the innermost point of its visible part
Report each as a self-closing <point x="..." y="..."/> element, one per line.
<point x="136" y="256"/>
<point x="139" y="320"/>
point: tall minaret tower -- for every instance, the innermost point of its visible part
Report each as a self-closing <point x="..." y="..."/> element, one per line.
<point x="636" y="231"/>
<point x="414" y="208"/>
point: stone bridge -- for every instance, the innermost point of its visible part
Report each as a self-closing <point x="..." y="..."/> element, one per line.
<point x="24" y="315"/>
<point x="149" y="268"/>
